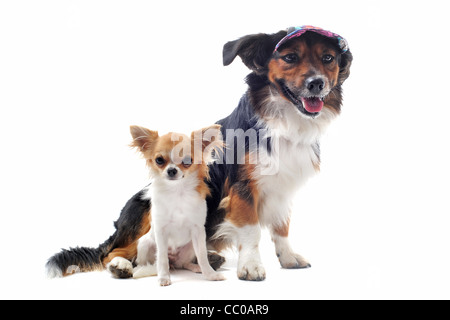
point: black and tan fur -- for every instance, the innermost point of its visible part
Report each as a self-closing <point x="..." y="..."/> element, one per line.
<point x="236" y="195"/>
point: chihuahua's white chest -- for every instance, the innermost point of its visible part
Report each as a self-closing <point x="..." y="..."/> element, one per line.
<point x="176" y="209"/>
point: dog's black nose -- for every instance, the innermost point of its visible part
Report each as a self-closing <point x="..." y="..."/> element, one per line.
<point x="172" y="172"/>
<point x="315" y="85"/>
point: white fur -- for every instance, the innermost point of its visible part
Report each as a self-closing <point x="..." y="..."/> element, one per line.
<point x="146" y="250"/>
<point x="293" y="141"/>
<point x="246" y="239"/>
<point x="147" y="270"/>
<point x="279" y="175"/>
<point x="288" y="258"/>
<point x="53" y="271"/>
<point x="121" y="263"/>
<point x="177" y="231"/>
<point x="250" y="266"/>
<point x="294" y="138"/>
<point x="226" y="232"/>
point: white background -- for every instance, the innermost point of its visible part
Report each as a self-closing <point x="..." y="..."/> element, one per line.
<point x="75" y="74"/>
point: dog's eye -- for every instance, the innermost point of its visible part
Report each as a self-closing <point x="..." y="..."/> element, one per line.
<point x="160" y="161"/>
<point x="187" y="162"/>
<point x="290" y="58"/>
<point x="328" y="58"/>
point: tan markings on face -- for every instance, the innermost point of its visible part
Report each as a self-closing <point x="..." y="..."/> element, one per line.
<point x="309" y="62"/>
<point x="175" y="150"/>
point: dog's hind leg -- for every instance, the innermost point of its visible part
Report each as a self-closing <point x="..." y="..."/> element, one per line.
<point x="119" y="260"/>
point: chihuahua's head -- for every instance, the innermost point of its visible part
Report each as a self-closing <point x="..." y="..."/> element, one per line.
<point x="174" y="156"/>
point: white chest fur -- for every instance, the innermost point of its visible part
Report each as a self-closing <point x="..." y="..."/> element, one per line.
<point x="292" y="161"/>
<point x="296" y="164"/>
<point x="176" y="208"/>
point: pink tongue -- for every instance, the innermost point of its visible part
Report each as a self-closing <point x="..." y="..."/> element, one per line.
<point x="312" y="105"/>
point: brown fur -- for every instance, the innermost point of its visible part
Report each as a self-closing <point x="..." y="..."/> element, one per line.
<point x="243" y="196"/>
<point x="282" y="231"/>
<point x="129" y="250"/>
<point x="310" y="62"/>
<point x="240" y="199"/>
<point x="240" y="211"/>
<point x="153" y="146"/>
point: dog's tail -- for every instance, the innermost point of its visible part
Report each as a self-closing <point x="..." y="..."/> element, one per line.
<point x="132" y="224"/>
<point x="79" y="259"/>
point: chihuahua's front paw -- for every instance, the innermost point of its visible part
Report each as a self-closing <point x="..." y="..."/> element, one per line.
<point x="216" y="276"/>
<point x="164" y="282"/>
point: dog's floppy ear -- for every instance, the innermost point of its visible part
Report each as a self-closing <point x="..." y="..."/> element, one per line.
<point x="344" y="66"/>
<point x="143" y="138"/>
<point x="255" y="50"/>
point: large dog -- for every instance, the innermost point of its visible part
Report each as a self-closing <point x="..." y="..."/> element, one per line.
<point x="294" y="92"/>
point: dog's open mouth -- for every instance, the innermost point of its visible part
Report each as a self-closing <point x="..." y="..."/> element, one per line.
<point x="310" y="106"/>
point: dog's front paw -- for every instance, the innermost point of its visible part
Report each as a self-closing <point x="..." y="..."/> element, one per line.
<point x="290" y="260"/>
<point x="164" y="282"/>
<point x="216" y="276"/>
<point x="120" y="268"/>
<point x="252" y="271"/>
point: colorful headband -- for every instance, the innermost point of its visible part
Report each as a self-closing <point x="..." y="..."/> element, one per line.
<point x="295" y="32"/>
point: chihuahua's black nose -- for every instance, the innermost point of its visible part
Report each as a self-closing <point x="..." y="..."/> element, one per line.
<point x="172" y="172"/>
<point x="315" y="85"/>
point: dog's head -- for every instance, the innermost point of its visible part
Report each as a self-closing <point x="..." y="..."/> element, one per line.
<point x="174" y="156"/>
<point x="306" y="70"/>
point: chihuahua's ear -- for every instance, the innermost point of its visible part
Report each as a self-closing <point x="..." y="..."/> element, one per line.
<point x="143" y="138"/>
<point x="211" y="141"/>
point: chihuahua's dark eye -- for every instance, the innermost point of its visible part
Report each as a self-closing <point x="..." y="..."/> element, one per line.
<point x="187" y="162"/>
<point x="328" y="58"/>
<point x="290" y="58"/>
<point x="160" y="161"/>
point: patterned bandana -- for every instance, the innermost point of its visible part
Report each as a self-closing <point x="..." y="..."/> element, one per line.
<point x="295" y="32"/>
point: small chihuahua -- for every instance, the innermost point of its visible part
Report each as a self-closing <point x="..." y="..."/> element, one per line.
<point x="178" y="168"/>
